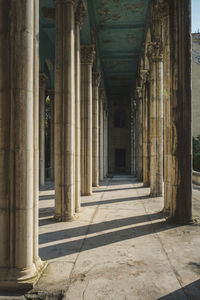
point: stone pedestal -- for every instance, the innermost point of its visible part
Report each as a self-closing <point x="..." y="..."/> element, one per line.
<point x="42" y="99"/>
<point x="79" y="17"/>
<point x="156" y="118"/>
<point x="87" y="56"/>
<point x="19" y="102"/>
<point x="180" y="113"/>
<point x="96" y="76"/>
<point x="64" y="111"/>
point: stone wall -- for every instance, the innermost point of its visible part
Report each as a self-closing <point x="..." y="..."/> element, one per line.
<point x="195" y="84"/>
<point x="119" y="136"/>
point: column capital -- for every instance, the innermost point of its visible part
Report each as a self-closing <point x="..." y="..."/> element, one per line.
<point x="160" y="9"/>
<point x="43" y="79"/>
<point x="96" y="78"/>
<point x="139" y="93"/>
<point x="143" y="77"/>
<point x="155" y="51"/>
<point x="147" y="76"/>
<point x="80" y="14"/>
<point x="87" y="54"/>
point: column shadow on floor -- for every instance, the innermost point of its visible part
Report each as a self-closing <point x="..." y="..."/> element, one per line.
<point x="47" y="197"/>
<point x="103" y="202"/>
<point x="190" y="292"/>
<point x="87" y="243"/>
<point x="95" y="228"/>
<point x="120" y="189"/>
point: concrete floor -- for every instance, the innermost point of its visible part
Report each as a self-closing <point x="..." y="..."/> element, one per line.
<point x="120" y="247"/>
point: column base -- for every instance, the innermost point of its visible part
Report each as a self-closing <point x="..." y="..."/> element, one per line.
<point x="21" y="279"/>
<point x="59" y="218"/>
<point x="178" y="221"/>
<point x="165" y="211"/>
<point x="87" y="194"/>
<point x="95" y="185"/>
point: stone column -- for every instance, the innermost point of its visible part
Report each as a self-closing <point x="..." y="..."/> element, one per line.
<point x="156" y="118"/>
<point x="105" y="163"/>
<point x="79" y="17"/>
<point x="101" y="139"/>
<point x="166" y="99"/>
<point x="134" y="139"/>
<point x="95" y="128"/>
<point x="42" y="96"/>
<point x="51" y="94"/>
<point x="19" y="100"/>
<point x="145" y="127"/>
<point x="139" y="134"/>
<point x="64" y="111"/>
<point x="180" y="114"/>
<point x="87" y="56"/>
<point x="39" y="264"/>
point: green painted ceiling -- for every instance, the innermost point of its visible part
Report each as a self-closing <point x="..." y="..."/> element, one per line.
<point x="119" y="27"/>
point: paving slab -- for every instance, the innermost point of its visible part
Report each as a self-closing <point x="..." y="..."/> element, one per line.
<point x="119" y="247"/>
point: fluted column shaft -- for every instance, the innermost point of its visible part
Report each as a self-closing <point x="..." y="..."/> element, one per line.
<point x="139" y="134"/>
<point x="146" y="175"/>
<point x="156" y="118"/>
<point x="105" y="163"/>
<point x="51" y="94"/>
<point x="79" y="17"/>
<point x="42" y="94"/>
<point x="167" y="121"/>
<point x="180" y="114"/>
<point x="19" y="111"/>
<point x="95" y="128"/>
<point x="87" y="55"/>
<point x="64" y="111"/>
<point x="101" y="135"/>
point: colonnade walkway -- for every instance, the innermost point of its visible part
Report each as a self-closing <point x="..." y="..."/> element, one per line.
<point x="120" y="247"/>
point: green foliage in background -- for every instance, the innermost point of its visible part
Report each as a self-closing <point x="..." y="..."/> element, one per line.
<point x="196" y="153"/>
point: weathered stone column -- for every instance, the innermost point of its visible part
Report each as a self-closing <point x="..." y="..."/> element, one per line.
<point x="166" y="99"/>
<point x="64" y="111"/>
<point x="95" y="128"/>
<point x="101" y="139"/>
<point x="139" y="134"/>
<point x="87" y="56"/>
<point x="51" y="94"/>
<point x="105" y="158"/>
<point x="146" y="174"/>
<point x="39" y="264"/>
<point x="180" y="48"/>
<point x="156" y="118"/>
<point x="79" y="18"/>
<point x="42" y="94"/>
<point x="134" y="139"/>
<point x="19" y="111"/>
